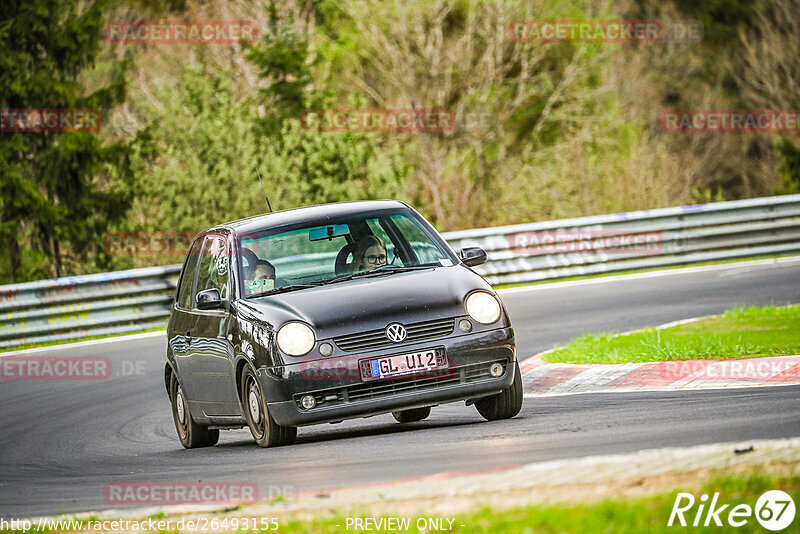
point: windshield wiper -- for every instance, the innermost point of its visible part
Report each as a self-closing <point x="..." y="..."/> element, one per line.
<point x="283" y="289"/>
<point x="377" y="272"/>
<point x="397" y="269"/>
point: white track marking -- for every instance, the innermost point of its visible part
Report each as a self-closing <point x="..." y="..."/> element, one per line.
<point x="79" y="344"/>
<point x="651" y="274"/>
<point x="594" y="377"/>
<point x="660" y="390"/>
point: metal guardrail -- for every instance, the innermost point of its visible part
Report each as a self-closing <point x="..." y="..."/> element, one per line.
<point x="636" y="240"/>
<point x="137" y="299"/>
<point x="90" y="305"/>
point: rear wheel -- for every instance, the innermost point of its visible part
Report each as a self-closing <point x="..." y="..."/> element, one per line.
<point x="505" y="404"/>
<point x="191" y="434"/>
<point x="265" y="430"/>
<point x="413" y="415"/>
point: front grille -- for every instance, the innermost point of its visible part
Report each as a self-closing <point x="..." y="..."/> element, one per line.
<point x="373" y="339"/>
<point x="387" y="388"/>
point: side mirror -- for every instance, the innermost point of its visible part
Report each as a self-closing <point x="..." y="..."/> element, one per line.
<point x="473" y="256"/>
<point x="209" y="300"/>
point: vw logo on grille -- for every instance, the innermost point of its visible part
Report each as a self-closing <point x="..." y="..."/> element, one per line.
<point x="396" y="332"/>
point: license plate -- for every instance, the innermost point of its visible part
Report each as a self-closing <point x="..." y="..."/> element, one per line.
<point x="403" y="364"/>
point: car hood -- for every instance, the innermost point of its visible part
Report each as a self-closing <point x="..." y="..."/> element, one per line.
<point x="370" y="303"/>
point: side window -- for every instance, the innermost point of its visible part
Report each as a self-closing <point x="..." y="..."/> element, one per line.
<point x="213" y="271"/>
<point x="184" y="297"/>
<point x="421" y="243"/>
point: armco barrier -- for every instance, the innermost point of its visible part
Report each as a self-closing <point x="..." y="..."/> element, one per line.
<point x="682" y="235"/>
<point x="82" y="306"/>
<point x="124" y="301"/>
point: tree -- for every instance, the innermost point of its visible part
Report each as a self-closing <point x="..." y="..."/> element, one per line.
<point x="303" y="165"/>
<point x="193" y="161"/>
<point x="512" y="100"/>
<point x="59" y="189"/>
<point x="769" y="76"/>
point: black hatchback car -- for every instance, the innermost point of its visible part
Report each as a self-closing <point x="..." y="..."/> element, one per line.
<point x="326" y="313"/>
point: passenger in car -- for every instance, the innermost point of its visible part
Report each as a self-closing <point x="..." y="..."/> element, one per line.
<point x="370" y="254"/>
<point x="263" y="278"/>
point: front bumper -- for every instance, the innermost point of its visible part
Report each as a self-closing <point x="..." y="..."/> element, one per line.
<point x="341" y="393"/>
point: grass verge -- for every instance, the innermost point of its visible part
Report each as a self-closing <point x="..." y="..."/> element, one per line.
<point x="649" y="515"/>
<point x="750" y="332"/>
<point x="645" y="515"/>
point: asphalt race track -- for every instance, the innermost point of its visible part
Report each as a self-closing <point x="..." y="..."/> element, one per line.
<point x="61" y="442"/>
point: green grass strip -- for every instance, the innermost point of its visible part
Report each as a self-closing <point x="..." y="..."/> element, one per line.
<point x="739" y="333"/>
<point x="641" y="515"/>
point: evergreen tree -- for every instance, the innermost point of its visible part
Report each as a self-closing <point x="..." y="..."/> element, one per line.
<point x="58" y="189"/>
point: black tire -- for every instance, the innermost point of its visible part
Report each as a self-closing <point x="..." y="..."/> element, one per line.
<point x="413" y="415"/>
<point x="505" y="404"/>
<point x="263" y="427"/>
<point x="192" y="435"/>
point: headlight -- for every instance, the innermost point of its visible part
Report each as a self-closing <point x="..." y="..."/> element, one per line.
<point x="295" y="339"/>
<point x="483" y="307"/>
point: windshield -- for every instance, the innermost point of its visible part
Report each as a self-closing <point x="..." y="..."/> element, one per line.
<point x="311" y="254"/>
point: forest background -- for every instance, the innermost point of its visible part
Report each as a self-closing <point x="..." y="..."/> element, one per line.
<point x="542" y="131"/>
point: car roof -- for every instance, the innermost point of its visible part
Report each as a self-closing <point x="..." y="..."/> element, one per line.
<point x="307" y="214"/>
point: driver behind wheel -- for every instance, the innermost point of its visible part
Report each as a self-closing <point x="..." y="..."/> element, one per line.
<point x="263" y="278"/>
<point x="370" y="254"/>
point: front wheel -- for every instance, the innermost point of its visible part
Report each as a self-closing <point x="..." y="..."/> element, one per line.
<point x="191" y="434"/>
<point x="503" y="405"/>
<point x="413" y="415"/>
<point x="265" y="430"/>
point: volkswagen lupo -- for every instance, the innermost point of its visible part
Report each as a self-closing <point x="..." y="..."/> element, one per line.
<point x="326" y="313"/>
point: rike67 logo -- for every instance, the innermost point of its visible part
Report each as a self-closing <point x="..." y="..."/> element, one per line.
<point x="774" y="510"/>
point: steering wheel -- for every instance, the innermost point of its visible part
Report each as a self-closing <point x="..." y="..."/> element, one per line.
<point x="341" y="266"/>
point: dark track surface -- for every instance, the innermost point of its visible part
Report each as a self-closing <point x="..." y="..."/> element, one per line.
<point x="62" y="442"/>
